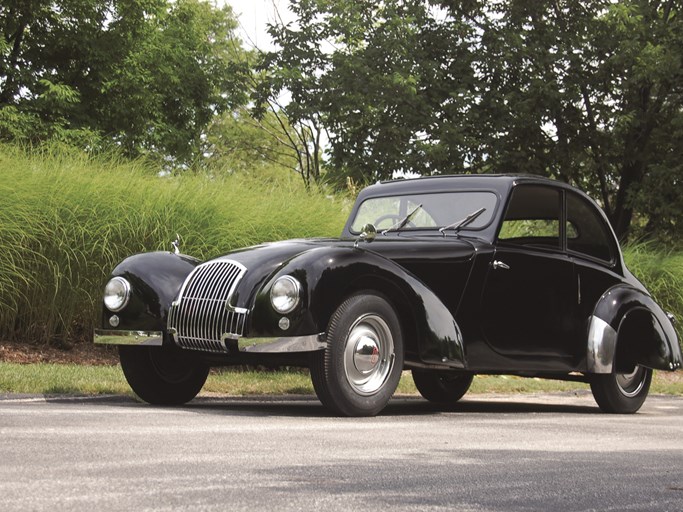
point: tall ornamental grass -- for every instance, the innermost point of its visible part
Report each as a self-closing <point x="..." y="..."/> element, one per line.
<point x="67" y="219"/>
<point x="660" y="269"/>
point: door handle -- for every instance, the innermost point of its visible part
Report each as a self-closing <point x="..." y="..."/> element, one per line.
<point x="499" y="264"/>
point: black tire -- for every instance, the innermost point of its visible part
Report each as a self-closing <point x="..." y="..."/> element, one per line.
<point x="162" y="375"/>
<point x="442" y="388"/>
<point x="358" y="372"/>
<point x="620" y="393"/>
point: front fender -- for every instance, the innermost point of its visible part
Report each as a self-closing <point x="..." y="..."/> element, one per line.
<point x="628" y="325"/>
<point x="329" y="275"/>
<point x="155" y="280"/>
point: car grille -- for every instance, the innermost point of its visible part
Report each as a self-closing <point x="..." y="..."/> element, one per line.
<point x="202" y="317"/>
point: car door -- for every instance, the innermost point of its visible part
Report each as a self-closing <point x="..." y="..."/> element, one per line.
<point x="530" y="296"/>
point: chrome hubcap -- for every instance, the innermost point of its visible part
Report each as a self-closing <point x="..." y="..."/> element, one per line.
<point x="368" y="354"/>
<point x="630" y="384"/>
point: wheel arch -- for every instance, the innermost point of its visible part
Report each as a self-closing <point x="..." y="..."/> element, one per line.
<point x="430" y="332"/>
<point x="401" y="304"/>
<point x="628" y="328"/>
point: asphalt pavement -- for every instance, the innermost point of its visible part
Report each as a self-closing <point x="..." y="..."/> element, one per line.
<point x="493" y="453"/>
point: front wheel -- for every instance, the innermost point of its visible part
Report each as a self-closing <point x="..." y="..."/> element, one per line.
<point x="441" y="388"/>
<point x="621" y="393"/>
<point x="358" y="372"/>
<point x="162" y="375"/>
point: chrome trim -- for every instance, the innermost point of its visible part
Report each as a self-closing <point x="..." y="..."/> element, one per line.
<point x="578" y="287"/>
<point x="500" y="264"/>
<point x="176" y="244"/>
<point x="367" y="234"/>
<point x="283" y="345"/>
<point x="203" y="315"/>
<point x="147" y="338"/>
<point x="630" y="384"/>
<point x="602" y="344"/>
<point x="671" y="317"/>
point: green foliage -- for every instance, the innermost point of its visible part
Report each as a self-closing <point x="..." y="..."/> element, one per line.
<point x="236" y="141"/>
<point x="661" y="270"/>
<point x="382" y="78"/>
<point x="66" y="220"/>
<point x="144" y="75"/>
<point x="586" y="91"/>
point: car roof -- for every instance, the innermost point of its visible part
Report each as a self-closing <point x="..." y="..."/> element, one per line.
<point x="498" y="182"/>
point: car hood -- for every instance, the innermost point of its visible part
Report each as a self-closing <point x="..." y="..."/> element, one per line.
<point x="414" y="254"/>
<point x="271" y="256"/>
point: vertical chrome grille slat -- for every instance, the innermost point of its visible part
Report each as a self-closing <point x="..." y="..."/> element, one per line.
<point x="201" y="288"/>
<point x="202" y="300"/>
<point x="215" y="305"/>
<point x="200" y="318"/>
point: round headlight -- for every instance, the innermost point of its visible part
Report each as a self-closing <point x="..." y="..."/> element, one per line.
<point x="116" y="294"/>
<point x="285" y="294"/>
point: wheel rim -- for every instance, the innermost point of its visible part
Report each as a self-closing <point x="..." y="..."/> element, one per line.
<point x="630" y="384"/>
<point x="368" y="354"/>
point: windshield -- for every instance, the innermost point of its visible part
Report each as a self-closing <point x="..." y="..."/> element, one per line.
<point x="437" y="210"/>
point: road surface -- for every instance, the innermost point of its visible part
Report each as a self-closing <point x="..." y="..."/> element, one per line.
<point x="493" y="453"/>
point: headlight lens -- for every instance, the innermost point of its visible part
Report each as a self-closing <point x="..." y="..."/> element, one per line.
<point x="285" y="294"/>
<point x="116" y="294"/>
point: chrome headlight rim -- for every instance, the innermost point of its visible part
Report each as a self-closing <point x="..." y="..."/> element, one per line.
<point x="116" y="299"/>
<point x="285" y="294"/>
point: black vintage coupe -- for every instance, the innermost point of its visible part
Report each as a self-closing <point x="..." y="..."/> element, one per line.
<point x="446" y="276"/>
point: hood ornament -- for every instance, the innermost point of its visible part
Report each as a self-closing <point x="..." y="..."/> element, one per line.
<point x="176" y="244"/>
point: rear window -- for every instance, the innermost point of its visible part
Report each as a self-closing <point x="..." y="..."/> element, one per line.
<point x="591" y="235"/>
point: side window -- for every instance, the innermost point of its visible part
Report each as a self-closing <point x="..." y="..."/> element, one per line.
<point x="586" y="230"/>
<point x="533" y="218"/>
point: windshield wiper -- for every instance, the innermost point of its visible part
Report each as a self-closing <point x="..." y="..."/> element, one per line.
<point x="457" y="226"/>
<point x="401" y="223"/>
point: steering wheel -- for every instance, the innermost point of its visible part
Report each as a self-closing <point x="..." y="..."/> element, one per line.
<point x="394" y="218"/>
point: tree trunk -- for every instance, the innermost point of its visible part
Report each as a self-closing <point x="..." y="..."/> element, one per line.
<point x="11" y="85"/>
<point x="622" y="215"/>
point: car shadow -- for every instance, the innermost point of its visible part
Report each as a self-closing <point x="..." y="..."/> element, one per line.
<point x="309" y="406"/>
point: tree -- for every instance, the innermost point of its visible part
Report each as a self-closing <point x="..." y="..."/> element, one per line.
<point x="586" y="91"/>
<point x="237" y="141"/>
<point x="372" y="75"/>
<point x="146" y="74"/>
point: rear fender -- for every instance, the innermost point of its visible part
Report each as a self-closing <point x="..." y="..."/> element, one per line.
<point x="628" y="328"/>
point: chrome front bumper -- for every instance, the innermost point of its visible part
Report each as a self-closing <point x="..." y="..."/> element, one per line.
<point x="147" y="338"/>
<point x="285" y="345"/>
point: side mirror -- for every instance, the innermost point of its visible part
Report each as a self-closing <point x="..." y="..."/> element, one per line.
<point x="367" y="234"/>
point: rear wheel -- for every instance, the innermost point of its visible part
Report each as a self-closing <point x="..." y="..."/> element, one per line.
<point x="358" y="372"/>
<point x="442" y="388"/>
<point x="162" y="375"/>
<point x="621" y="393"/>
